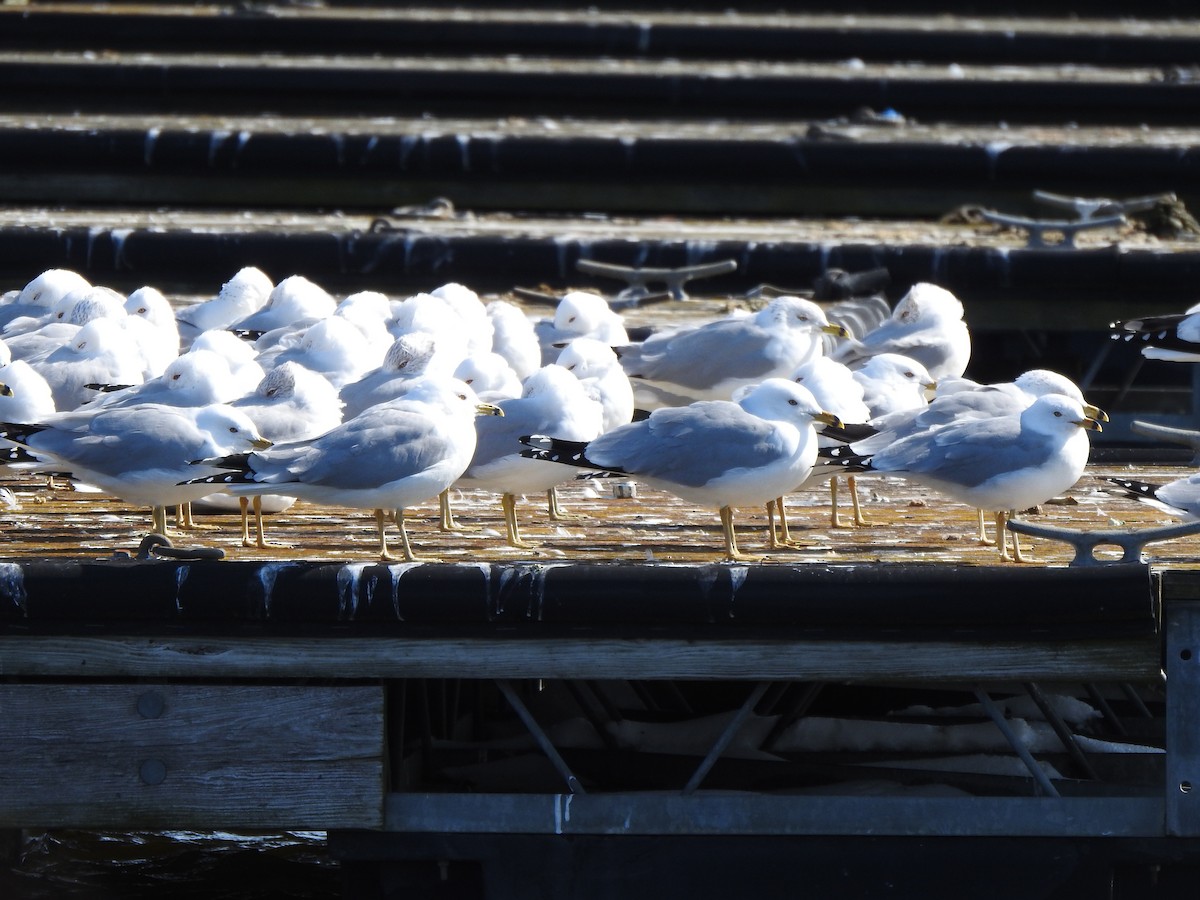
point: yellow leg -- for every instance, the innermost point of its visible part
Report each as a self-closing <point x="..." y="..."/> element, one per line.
<point x="381" y="518"/>
<point x="557" y="513"/>
<point x="409" y="556"/>
<point x="187" y="523"/>
<point x="859" y="518"/>
<point x="158" y="519"/>
<point x="1002" y="535"/>
<point x="983" y="538"/>
<point x="244" y="509"/>
<point x="731" y="547"/>
<point x="835" y="517"/>
<point x="508" y="503"/>
<point x="447" y="513"/>
<point x="782" y="540"/>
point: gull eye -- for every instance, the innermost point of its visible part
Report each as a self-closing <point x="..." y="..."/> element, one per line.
<point x="272" y="392"/>
<point x="793" y="402"/>
<point x="572" y="319"/>
<point x="141" y="311"/>
<point x="462" y="396"/>
<point x="233" y="429"/>
<point x="909" y="375"/>
<point x="1057" y="414"/>
<point x="176" y="376"/>
<point x="59" y="316"/>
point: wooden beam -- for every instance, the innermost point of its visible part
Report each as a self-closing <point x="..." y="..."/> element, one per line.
<point x="1130" y="659"/>
<point x="190" y="756"/>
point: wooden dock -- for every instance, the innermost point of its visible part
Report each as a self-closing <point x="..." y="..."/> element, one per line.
<point x="618" y="686"/>
<point x="884" y="710"/>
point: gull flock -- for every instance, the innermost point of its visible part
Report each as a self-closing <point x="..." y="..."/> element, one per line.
<point x="271" y="392"/>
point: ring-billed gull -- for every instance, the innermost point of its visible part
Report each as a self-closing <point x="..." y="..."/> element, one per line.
<point x="410" y="357"/>
<point x="490" y="376"/>
<point x="41" y="294"/>
<point x="553" y="401"/>
<point x="711" y="361"/>
<point x="596" y="365"/>
<point x="101" y="353"/>
<point x="965" y="399"/>
<point x="999" y="463"/>
<point x="139" y="454"/>
<point x="926" y="325"/>
<point x="514" y="337"/>
<point x="29" y="398"/>
<point x="579" y="314"/>
<point x="836" y="389"/>
<point x="387" y="458"/>
<point x="295" y="300"/>
<point x="712" y="452"/>
<point x="291" y="403"/>
<point x="241" y="296"/>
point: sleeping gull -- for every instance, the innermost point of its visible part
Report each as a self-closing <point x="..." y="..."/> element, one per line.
<point x="711" y="361"/>
<point x="712" y="452"/>
<point x="389" y="457"/>
<point x="999" y="463"/>
<point x="242" y="295"/>
<point x="41" y="294"/>
<point x="514" y="337"/>
<point x="926" y="325"/>
<point x="579" y="314"/>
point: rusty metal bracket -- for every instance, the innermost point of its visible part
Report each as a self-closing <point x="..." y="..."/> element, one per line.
<point x="1086" y="542"/>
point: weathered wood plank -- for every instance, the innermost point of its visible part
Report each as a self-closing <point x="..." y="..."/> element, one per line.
<point x="191" y="756"/>
<point x="667" y="813"/>
<point x="583" y="657"/>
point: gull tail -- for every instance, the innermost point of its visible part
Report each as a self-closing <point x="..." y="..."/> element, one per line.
<point x="1134" y="490"/>
<point x="560" y="450"/>
<point x="842" y="456"/>
<point x="19" y="432"/>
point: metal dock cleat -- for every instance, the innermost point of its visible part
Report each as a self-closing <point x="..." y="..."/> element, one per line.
<point x="639" y="279"/>
<point x="1086" y="542"/>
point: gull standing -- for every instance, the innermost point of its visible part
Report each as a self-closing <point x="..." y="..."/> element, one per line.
<point x="387" y="458"/>
<point x="553" y="401"/>
<point x="140" y="453"/>
<point x="1000" y="463"/>
<point x="712" y="452"/>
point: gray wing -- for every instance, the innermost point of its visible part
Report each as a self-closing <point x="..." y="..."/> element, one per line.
<point x="689" y="445"/>
<point x="730" y="348"/>
<point x="364" y="453"/>
<point x="967" y="453"/>
<point x="1182" y="493"/>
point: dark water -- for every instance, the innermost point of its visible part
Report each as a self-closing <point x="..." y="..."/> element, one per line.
<point x="177" y="864"/>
